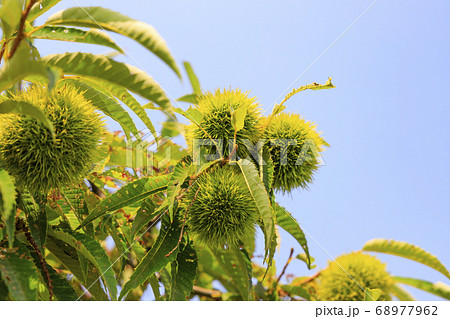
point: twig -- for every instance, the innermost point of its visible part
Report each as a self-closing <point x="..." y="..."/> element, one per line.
<point x="309" y="279"/>
<point x="42" y="262"/>
<point x="184" y="223"/>
<point x="20" y="33"/>
<point x="205" y="292"/>
<point x="285" y="267"/>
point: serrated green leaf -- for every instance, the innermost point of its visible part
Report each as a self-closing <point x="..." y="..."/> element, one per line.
<point x="236" y="264"/>
<point x="189" y="98"/>
<point x="184" y="270"/>
<point x="313" y="86"/>
<point x="406" y="250"/>
<point x="116" y="73"/>
<point x="25" y="108"/>
<point x="144" y="215"/>
<point x="19" y="274"/>
<point x="439" y="288"/>
<point x="156" y="258"/>
<point x="98" y="17"/>
<point x="180" y="172"/>
<point x="40" y="8"/>
<point x="129" y="194"/>
<point x="305" y="259"/>
<point x="69" y="257"/>
<point x="286" y="221"/>
<point x="24" y="64"/>
<point x="103" y="101"/>
<point x="400" y="293"/>
<point x="128" y="99"/>
<point x="62" y="290"/>
<point x="92" y="36"/>
<point x="261" y="200"/>
<point x="94" y="252"/>
<point x="268" y="170"/>
<point x="192" y="78"/>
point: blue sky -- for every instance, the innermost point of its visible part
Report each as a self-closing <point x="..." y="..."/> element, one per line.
<point x="387" y="120"/>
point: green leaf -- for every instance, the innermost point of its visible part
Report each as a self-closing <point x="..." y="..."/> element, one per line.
<point x="7" y="208"/>
<point x="261" y="199"/>
<point x="237" y="266"/>
<point x="10" y="13"/>
<point x="286" y="221"/>
<point x="406" y="250"/>
<point x="25" y="108"/>
<point x="189" y="98"/>
<point x="296" y="291"/>
<point x="128" y="195"/>
<point x="40" y="8"/>
<point x="92" y="36"/>
<point x="154" y="283"/>
<point x="439" y="288"/>
<point x="128" y="99"/>
<point x="7" y="194"/>
<point x="69" y="257"/>
<point x="305" y="259"/>
<point x="19" y="274"/>
<point x="98" y="17"/>
<point x="103" y="101"/>
<point x="21" y="65"/>
<point x="144" y="215"/>
<point x="36" y="218"/>
<point x="3" y="290"/>
<point x="268" y="170"/>
<point x="94" y="252"/>
<point x="62" y="290"/>
<point x="184" y="270"/>
<point x="238" y="117"/>
<point x="191" y="114"/>
<point x="192" y="78"/>
<point x="372" y="294"/>
<point x="157" y="257"/>
<point x="180" y="172"/>
<point x="400" y="293"/>
<point x="313" y="86"/>
<point x="103" y="68"/>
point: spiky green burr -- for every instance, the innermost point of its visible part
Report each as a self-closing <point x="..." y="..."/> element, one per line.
<point x="348" y="277"/>
<point x="221" y="209"/>
<point x="295" y="147"/>
<point x="28" y="152"/>
<point x="217" y="108"/>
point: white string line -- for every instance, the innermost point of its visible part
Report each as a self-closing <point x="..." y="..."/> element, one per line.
<point x="311" y="65"/>
<point x="320" y="56"/>
<point x="127" y="53"/>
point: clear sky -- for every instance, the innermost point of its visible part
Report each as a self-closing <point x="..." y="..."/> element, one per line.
<point x="387" y="120"/>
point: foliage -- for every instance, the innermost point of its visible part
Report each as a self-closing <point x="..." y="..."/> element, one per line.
<point x="82" y="220"/>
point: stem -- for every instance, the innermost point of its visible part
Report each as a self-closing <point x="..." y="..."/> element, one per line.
<point x="42" y="262"/>
<point x="204" y="292"/>
<point x="285" y="267"/>
<point x="20" y="33"/>
<point x="184" y="223"/>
